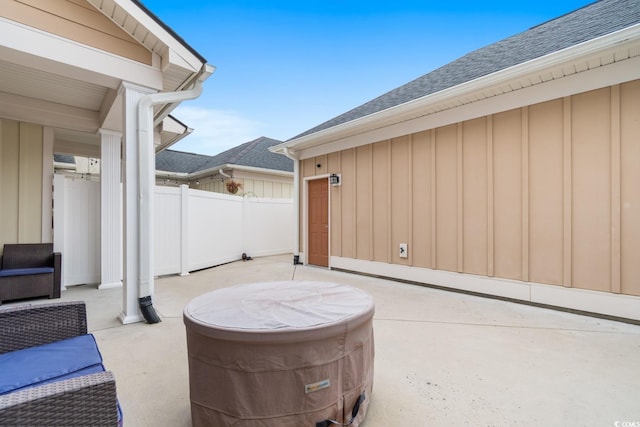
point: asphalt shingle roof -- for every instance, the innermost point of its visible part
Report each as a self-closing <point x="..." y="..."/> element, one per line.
<point x="253" y="153"/>
<point x="592" y="21"/>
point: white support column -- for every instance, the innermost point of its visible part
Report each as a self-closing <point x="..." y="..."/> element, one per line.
<point x="131" y="95"/>
<point x="110" y="210"/>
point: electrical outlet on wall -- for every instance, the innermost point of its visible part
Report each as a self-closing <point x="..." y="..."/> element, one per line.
<point x="403" y="250"/>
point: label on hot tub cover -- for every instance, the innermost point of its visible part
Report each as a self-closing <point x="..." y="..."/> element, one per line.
<point x="320" y="385"/>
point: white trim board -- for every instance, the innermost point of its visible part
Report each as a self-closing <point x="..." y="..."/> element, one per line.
<point x="598" y="303"/>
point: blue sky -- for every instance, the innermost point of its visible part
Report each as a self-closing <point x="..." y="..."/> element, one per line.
<point x="283" y="67"/>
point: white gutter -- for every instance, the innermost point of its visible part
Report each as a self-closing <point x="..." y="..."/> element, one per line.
<point x="217" y="169"/>
<point x="146" y="183"/>
<point x="296" y="202"/>
<point x="221" y="172"/>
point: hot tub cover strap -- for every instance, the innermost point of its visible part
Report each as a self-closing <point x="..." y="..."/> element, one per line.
<point x="354" y="414"/>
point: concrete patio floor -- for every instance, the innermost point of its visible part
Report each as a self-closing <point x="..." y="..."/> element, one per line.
<point x="442" y="358"/>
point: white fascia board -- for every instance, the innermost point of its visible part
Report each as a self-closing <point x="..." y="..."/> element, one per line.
<point x="38" y="49"/>
<point x="173" y="45"/>
<point x="404" y="111"/>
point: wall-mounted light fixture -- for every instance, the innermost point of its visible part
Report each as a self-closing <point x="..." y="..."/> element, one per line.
<point x="334" y="179"/>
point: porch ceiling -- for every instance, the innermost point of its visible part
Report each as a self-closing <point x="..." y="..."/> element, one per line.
<point x="42" y="85"/>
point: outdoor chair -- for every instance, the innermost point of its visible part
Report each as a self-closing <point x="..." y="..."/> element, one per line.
<point x="66" y="394"/>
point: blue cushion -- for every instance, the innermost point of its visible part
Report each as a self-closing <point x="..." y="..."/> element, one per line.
<point x="57" y="361"/>
<point x="25" y="271"/>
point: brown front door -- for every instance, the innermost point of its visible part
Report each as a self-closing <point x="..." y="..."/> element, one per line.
<point x="319" y="222"/>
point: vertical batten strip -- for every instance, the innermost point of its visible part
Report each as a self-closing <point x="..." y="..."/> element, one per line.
<point x="371" y="229"/>
<point x="524" y="126"/>
<point x="389" y="201"/>
<point x="355" y="202"/>
<point x="434" y="212"/>
<point x="410" y="201"/>
<point x="490" y="198"/>
<point x="615" y="190"/>
<point x="340" y="207"/>
<point x="567" y="187"/>
<point x="460" y="183"/>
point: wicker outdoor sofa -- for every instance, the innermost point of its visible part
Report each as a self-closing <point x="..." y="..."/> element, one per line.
<point x="84" y="400"/>
<point x="29" y="270"/>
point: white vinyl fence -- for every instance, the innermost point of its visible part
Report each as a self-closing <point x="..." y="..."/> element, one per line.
<point x="194" y="229"/>
<point x="197" y="229"/>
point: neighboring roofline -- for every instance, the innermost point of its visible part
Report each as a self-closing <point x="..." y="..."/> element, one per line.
<point x="226" y="166"/>
<point x="169" y="30"/>
<point x="404" y="111"/>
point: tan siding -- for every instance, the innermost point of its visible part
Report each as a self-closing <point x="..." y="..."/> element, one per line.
<point x="591" y="190"/>
<point x="30" y="184"/>
<point x="421" y="206"/>
<point x="335" y="201"/>
<point x="363" y="202"/>
<point x="20" y="182"/>
<point x="545" y="193"/>
<point x="475" y="196"/>
<point x="630" y="187"/>
<point x="268" y="189"/>
<point x="322" y="165"/>
<point x="381" y="201"/>
<point x="447" y="198"/>
<point x="308" y="168"/>
<point x="9" y="178"/>
<point x="75" y="21"/>
<point x="348" y="204"/>
<point x="507" y="212"/>
<point x="400" y="197"/>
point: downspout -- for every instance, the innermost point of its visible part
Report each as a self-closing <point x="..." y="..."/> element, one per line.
<point x="221" y="172"/>
<point x="146" y="183"/>
<point x="296" y="203"/>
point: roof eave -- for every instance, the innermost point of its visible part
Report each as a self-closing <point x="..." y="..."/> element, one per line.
<point x="228" y="166"/>
<point x="461" y="92"/>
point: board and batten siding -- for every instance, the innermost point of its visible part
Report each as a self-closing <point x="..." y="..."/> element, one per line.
<point x="253" y="185"/>
<point x="21" y="169"/>
<point x="75" y="20"/>
<point x="546" y="193"/>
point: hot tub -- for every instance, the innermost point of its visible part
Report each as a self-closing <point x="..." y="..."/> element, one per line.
<point x="285" y="354"/>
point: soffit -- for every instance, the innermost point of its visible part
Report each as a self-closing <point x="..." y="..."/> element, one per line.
<point x="39" y="84"/>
